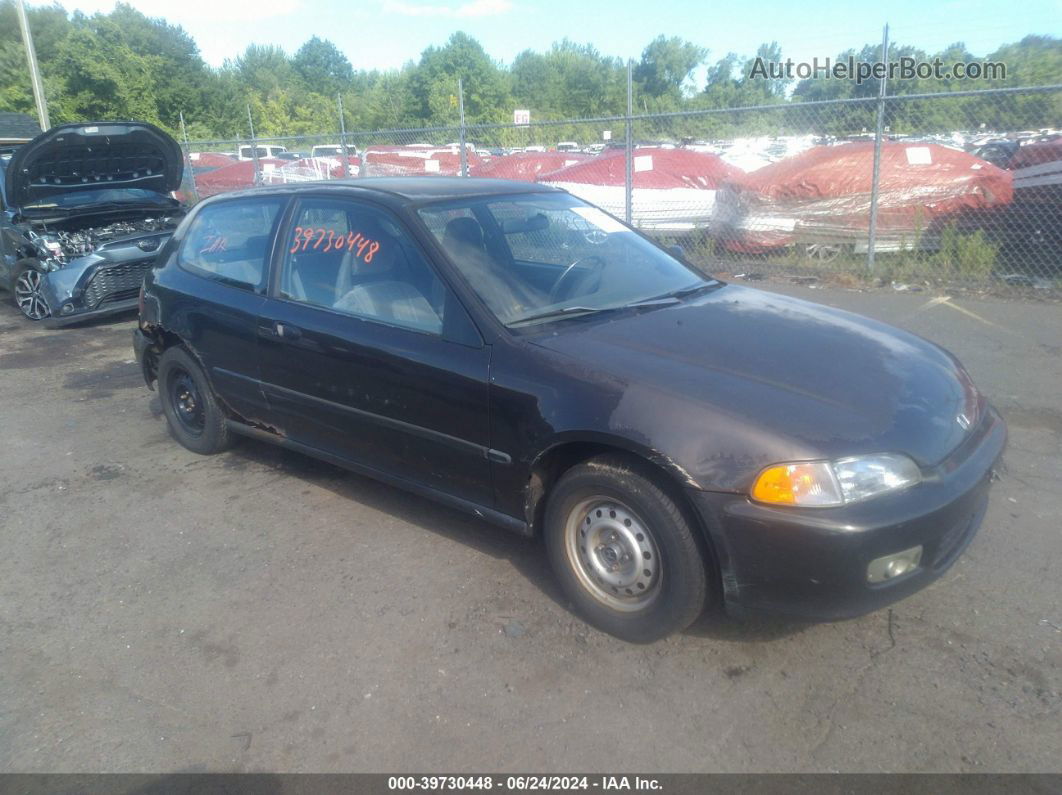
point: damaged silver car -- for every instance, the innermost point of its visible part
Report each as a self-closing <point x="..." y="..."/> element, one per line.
<point x="85" y="208"/>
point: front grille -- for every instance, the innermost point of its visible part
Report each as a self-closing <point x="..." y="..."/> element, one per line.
<point x="116" y="283"/>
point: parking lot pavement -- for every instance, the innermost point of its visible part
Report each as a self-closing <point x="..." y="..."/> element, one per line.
<point x="161" y="611"/>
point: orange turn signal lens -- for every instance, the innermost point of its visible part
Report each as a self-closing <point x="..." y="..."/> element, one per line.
<point x="798" y="484"/>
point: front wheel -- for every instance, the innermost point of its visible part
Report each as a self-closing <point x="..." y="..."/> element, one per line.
<point x="624" y="552"/>
<point x="192" y="412"/>
<point x="28" y="296"/>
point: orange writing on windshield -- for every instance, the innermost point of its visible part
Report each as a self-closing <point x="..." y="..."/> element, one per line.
<point x="324" y="240"/>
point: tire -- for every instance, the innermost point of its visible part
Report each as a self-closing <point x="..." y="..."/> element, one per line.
<point x="26" y="291"/>
<point x="192" y="412"/>
<point x="624" y="552"/>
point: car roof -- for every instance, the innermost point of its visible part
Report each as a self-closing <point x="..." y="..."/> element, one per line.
<point x="404" y="190"/>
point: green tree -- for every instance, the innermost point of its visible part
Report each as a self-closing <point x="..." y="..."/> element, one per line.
<point x="262" y="68"/>
<point x="124" y="64"/>
<point x="570" y="81"/>
<point x="322" y="67"/>
<point x="50" y="25"/>
<point x="433" y="85"/>
<point x="97" y="75"/>
<point x="666" y="65"/>
<point x="180" y="78"/>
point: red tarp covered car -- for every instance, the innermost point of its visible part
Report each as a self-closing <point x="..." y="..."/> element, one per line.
<point x="527" y="166"/>
<point x="674" y="190"/>
<point x="822" y="196"/>
<point x="233" y="176"/>
<point x="412" y="161"/>
<point x="273" y="171"/>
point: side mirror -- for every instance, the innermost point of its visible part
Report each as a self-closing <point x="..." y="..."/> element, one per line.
<point x="677" y="251"/>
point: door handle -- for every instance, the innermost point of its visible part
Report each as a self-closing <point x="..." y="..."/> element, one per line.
<point x="286" y="331"/>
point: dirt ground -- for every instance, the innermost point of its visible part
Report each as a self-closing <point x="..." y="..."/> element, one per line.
<point x="161" y="611"/>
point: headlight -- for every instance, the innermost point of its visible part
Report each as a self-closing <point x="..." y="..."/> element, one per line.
<point x="825" y="484"/>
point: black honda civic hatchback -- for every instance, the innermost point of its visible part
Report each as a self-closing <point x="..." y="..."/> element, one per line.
<point x="509" y="350"/>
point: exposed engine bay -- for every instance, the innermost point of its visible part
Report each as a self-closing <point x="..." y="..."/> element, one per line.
<point x="56" y="247"/>
<point x="87" y="207"/>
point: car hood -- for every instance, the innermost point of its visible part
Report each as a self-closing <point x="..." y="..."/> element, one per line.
<point x="740" y="378"/>
<point x="94" y="155"/>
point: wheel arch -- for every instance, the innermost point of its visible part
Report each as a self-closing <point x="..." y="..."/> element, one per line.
<point x="571" y="450"/>
<point x="162" y="340"/>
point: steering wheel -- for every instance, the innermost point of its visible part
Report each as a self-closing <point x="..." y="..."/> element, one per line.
<point x="572" y="276"/>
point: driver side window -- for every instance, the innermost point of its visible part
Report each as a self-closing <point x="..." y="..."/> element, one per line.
<point x="357" y="260"/>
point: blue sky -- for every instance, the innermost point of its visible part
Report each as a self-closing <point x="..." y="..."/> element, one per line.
<point x="386" y="33"/>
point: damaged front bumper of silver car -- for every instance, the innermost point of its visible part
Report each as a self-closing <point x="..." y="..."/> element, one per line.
<point x="105" y="282"/>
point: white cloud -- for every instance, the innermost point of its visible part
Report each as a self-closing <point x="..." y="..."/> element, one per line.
<point x="470" y="8"/>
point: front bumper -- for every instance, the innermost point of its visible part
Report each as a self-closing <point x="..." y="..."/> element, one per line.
<point x="104" y="310"/>
<point x="812" y="563"/>
<point x="106" y="282"/>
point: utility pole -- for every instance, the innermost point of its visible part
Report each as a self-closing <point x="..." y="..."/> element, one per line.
<point x="876" y="175"/>
<point x="187" y="147"/>
<point x="254" y="149"/>
<point x="31" y="59"/>
<point x="628" y="177"/>
<point x="343" y="135"/>
<point x="461" y="137"/>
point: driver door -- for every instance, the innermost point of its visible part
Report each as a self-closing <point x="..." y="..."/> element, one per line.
<point x="365" y="354"/>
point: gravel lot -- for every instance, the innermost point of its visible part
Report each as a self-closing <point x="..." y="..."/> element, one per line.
<point x="257" y="610"/>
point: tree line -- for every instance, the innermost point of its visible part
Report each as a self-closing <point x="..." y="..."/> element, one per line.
<point x="124" y="64"/>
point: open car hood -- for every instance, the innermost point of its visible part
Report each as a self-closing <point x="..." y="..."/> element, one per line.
<point x="94" y="155"/>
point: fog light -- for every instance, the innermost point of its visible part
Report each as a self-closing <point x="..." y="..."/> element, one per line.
<point x="66" y="309"/>
<point x="896" y="565"/>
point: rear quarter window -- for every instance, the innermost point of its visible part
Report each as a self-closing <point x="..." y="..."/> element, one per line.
<point x="231" y="241"/>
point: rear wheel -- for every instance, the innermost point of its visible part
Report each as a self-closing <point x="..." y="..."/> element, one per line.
<point x="192" y="412"/>
<point x="623" y="550"/>
<point x="28" y="297"/>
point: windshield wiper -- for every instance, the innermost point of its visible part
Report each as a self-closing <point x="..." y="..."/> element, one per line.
<point x="660" y="300"/>
<point x="564" y="311"/>
<point x="579" y="310"/>
<point x="675" y="295"/>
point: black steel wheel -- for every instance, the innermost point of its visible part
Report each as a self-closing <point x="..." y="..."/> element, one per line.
<point x="192" y="412"/>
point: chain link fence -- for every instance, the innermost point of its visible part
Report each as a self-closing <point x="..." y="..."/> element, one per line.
<point x="958" y="190"/>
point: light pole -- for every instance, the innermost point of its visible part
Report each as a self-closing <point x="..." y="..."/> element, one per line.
<point x="31" y="59"/>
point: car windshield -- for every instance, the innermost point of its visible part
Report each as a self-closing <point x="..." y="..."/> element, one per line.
<point x="535" y="257"/>
<point x="102" y="196"/>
